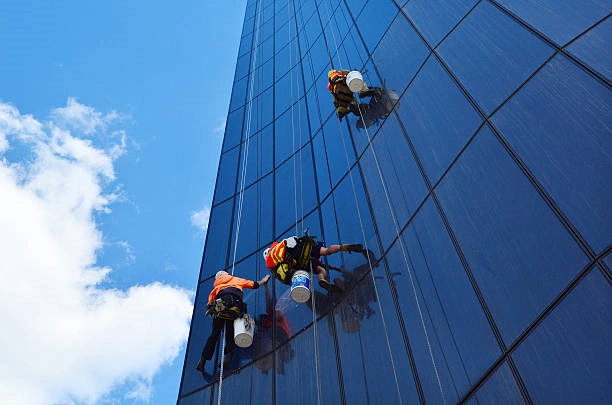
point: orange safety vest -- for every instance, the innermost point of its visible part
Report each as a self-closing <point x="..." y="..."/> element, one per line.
<point x="276" y="254"/>
<point x="226" y="281"/>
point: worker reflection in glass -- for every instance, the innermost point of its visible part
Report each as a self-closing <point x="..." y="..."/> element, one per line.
<point x="358" y="284"/>
<point x="382" y="102"/>
<point x="289" y="255"/>
<point x="272" y="331"/>
<point x="224" y="306"/>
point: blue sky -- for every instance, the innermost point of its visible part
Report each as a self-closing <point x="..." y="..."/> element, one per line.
<point x="111" y="123"/>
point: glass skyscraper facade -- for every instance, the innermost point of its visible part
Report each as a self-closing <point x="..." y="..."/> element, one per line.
<point x="484" y="197"/>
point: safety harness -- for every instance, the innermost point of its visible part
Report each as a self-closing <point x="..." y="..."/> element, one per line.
<point x="297" y="257"/>
<point x="337" y="85"/>
<point x="226" y="307"/>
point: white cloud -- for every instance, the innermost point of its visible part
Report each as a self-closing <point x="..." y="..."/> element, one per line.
<point x="82" y="118"/>
<point x="199" y="219"/>
<point x="219" y="130"/>
<point x="66" y="339"/>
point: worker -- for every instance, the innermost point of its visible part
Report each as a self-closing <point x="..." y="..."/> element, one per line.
<point x="291" y="254"/>
<point x="344" y="99"/>
<point x="224" y="306"/>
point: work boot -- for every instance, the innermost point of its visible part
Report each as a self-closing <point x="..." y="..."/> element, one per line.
<point x="200" y="366"/>
<point x="352" y="248"/>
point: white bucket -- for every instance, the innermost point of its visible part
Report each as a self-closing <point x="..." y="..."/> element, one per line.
<point x="300" y="286"/>
<point x="243" y="331"/>
<point x="354" y="81"/>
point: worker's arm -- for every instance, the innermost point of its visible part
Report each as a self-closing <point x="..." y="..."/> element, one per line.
<point x="264" y="280"/>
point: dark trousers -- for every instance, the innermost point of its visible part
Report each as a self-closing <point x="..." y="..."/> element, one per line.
<point x="211" y="342"/>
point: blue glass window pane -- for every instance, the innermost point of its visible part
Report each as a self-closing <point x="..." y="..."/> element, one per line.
<point x="437" y="117"/>
<point x="235" y="387"/>
<point x="312" y="29"/>
<point x="265" y="159"/>
<point x="295" y="193"/>
<point x="353" y="214"/>
<point x="266" y="231"/>
<point x="314" y="116"/>
<point x="239" y="93"/>
<point x="559" y="124"/>
<point x="518" y="250"/>
<point x="473" y="49"/>
<point x="593" y="48"/>
<point x="286" y="32"/>
<point x="350" y="54"/>
<point x="265" y="76"/>
<point x="355" y="6"/>
<point x="288" y="89"/>
<point x="242" y="66"/>
<point x="339" y="149"/>
<point x="401" y="46"/>
<point x="435" y="18"/>
<point x="560" y="21"/>
<point x="321" y="165"/>
<point x="298" y="373"/>
<point x="319" y="56"/>
<point x="608" y="260"/>
<point x="401" y="179"/>
<point x="245" y="44"/>
<point x="226" y="177"/>
<point x="217" y="240"/>
<point x="291" y="130"/>
<point x="430" y="366"/>
<point x="566" y="359"/>
<point x="197" y="398"/>
<point x="286" y="58"/>
<point x="375" y="363"/>
<point x="306" y="8"/>
<point x="324" y="97"/>
<point x="342" y="21"/>
<point x="449" y="297"/>
<point x="201" y="326"/>
<point x="501" y="388"/>
<point x="249" y="221"/>
<point x="374" y="20"/>
<point x="265" y="50"/>
<point x="266" y="28"/>
<point x="233" y="129"/>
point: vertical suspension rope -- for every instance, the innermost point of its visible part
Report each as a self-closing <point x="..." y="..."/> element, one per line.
<point x="401" y="245"/>
<point x="292" y="119"/>
<point x="315" y="334"/>
<point x="242" y="180"/>
<point x="404" y="255"/>
<point x="362" y="228"/>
